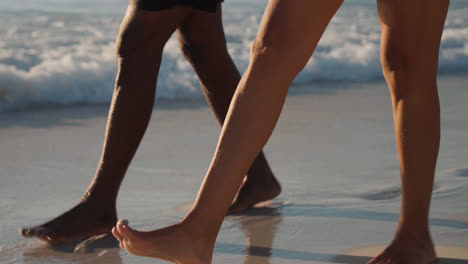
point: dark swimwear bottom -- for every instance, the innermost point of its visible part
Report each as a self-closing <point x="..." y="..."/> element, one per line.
<point x="154" y="5"/>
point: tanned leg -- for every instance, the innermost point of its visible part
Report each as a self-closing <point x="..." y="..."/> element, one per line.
<point x="142" y="37"/>
<point x="289" y="33"/>
<point x="206" y="51"/>
<point x="411" y="33"/>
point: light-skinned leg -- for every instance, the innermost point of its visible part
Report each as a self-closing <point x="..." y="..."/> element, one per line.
<point x="288" y="35"/>
<point x="207" y="53"/>
<point x="411" y="34"/>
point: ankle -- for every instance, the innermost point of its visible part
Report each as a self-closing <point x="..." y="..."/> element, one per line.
<point x="416" y="235"/>
<point x="260" y="169"/>
<point x="204" y="235"/>
<point x="260" y="175"/>
<point x="99" y="197"/>
<point x="100" y="204"/>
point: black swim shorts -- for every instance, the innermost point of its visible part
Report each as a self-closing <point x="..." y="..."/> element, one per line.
<point x="154" y="5"/>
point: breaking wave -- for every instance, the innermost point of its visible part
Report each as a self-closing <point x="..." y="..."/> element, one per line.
<point x="52" y="57"/>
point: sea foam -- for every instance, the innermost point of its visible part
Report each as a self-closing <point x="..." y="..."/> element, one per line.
<point x="51" y="57"/>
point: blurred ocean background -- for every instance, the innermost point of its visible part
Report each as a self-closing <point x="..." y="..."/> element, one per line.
<point x="62" y="51"/>
<point x="333" y="149"/>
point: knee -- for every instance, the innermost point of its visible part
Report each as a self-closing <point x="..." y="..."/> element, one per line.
<point x="396" y="70"/>
<point x="124" y="47"/>
<point x="139" y="37"/>
<point x="198" y="48"/>
<point x="264" y="49"/>
<point x="269" y="49"/>
<point x="274" y="53"/>
<point x="191" y="50"/>
<point x="407" y="73"/>
<point x="130" y="46"/>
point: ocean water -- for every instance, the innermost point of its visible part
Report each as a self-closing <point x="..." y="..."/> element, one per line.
<point x="62" y="51"/>
<point x="333" y="152"/>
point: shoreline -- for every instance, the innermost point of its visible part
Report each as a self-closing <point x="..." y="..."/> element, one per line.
<point x="317" y="87"/>
<point x="333" y="152"/>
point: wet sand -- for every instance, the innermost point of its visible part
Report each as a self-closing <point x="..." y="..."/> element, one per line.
<point x="333" y="151"/>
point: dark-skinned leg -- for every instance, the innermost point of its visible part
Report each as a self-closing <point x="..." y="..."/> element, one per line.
<point x="411" y="34"/>
<point x="252" y="116"/>
<point x="139" y="49"/>
<point x="207" y="52"/>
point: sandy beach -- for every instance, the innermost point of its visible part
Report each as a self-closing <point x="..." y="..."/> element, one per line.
<point x="333" y="151"/>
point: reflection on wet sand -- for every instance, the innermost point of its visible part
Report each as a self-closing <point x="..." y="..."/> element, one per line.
<point x="446" y="254"/>
<point x="259" y="226"/>
<point x="96" y="250"/>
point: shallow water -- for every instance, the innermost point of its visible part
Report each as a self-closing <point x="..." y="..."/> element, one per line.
<point x="333" y="151"/>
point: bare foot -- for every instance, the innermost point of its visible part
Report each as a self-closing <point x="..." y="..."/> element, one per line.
<point x="173" y="243"/>
<point x="84" y="220"/>
<point x="253" y="192"/>
<point x="407" y="250"/>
